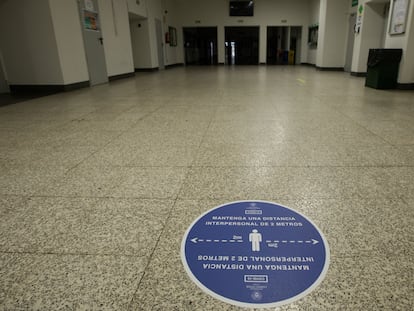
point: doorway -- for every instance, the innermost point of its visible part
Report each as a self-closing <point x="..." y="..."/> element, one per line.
<point x="351" y="39"/>
<point x="160" y="44"/>
<point x="4" y="87"/>
<point x="93" y="40"/>
<point x="283" y="45"/>
<point x="277" y="44"/>
<point x="296" y="44"/>
<point x="200" y="44"/>
<point x="242" y="45"/>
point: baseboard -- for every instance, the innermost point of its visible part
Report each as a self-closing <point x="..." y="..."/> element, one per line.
<point x="330" y="68"/>
<point x="75" y="86"/>
<point x="121" y="76"/>
<point x="405" y="86"/>
<point x="358" y="74"/>
<point x="308" y="64"/>
<point x="262" y="63"/>
<point x="46" y="89"/>
<point x="146" y="69"/>
<point x="221" y="64"/>
<point x="174" y="65"/>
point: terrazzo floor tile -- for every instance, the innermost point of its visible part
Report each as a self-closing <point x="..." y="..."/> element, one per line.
<point x="355" y="227"/>
<point x="40" y="156"/>
<point x="84" y="226"/>
<point x="11" y="138"/>
<point x="137" y="137"/>
<point x="98" y="183"/>
<point x="165" y="285"/>
<point x="86" y="125"/>
<point x="342" y="154"/>
<point x="189" y="113"/>
<point x="103" y="116"/>
<point x="48" y="116"/>
<point x="246" y="112"/>
<point x="85" y="181"/>
<point x="11" y="122"/>
<point x="371" y="282"/>
<point x="46" y="225"/>
<point x="26" y="180"/>
<point x="155" y="155"/>
<point x="70" y="282"/>
<point x="150" y="182"/>
<point x="113" y="154"/>
<point x="330" y="136"/>
<point x="8" y="276"/>
<point x="408" y="151"/>
<point x="154" y="124"/>
<point x="399" y="132"/>
<point x="133" y="115"/>
<point x="241" y="155"/>
<point x="8" y="203"/>
<point x="367" y="282"/>
<point x="76" y="138"/>
<point x="290" y="182"/>
<point x="236" y="132"/>
<point x="395" y="181"/>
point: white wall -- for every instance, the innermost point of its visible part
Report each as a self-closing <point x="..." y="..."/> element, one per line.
<point x="4" y="87"/>
<point x="46" y="45"/>
<point x="68" y="33"/>
<point x="173" y="54"/>
<point x="117" y="36"/>
<point x="144" y="38"/>
<point x="371" y="35"/>
<point x="155" y="11"/>
<point x="406" y="42"/>
<point x="28" y="43"/>
<point x="406" y="74"/>
<point x="314" y="8"/>
<point x="138" y="8"/>
<point x="332" y="33"/>
<point x="141" y="44"/>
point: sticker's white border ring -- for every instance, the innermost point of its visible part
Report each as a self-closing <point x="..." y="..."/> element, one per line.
<point x="253" y="305"/>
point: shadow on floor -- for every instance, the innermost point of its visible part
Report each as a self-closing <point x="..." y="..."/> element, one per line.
<point x="9" y="99"/>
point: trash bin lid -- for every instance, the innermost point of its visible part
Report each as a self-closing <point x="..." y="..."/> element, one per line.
<point x="377" y="56"/>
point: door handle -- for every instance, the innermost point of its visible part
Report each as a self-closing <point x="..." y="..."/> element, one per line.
<point x="101" y="40"/>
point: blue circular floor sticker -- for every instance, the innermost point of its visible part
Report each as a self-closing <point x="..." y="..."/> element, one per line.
<point x="255" y="254"/>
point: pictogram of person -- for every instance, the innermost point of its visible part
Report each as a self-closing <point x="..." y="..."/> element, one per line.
<point x="255" y="237"/>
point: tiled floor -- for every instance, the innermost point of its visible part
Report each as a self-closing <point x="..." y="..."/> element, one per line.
<point x="99" y="185"/>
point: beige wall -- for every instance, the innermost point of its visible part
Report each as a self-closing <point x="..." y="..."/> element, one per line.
<point x="141" y="44"/>
<point x="138" y="8"/>
<point x="117" y="36"/>
<point x="333" y="33"/>
<point x="29" y="46"/>
<point x="406" y="42"/>
<point x="68" y="34"/>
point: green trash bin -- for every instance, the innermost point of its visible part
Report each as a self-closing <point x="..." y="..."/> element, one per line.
<point x="383" y="65"/>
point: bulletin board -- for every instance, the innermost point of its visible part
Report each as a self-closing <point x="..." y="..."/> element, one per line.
<point x="399" y="17"/>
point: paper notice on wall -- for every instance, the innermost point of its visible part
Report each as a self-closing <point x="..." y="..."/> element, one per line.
<point x="89" y="5"/>
<point x="399" y="16"/>
<point x="358" y="23"/>
<point x="90" y="20"/>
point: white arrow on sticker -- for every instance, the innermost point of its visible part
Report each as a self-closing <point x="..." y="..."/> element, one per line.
<point x="196" y="240"/>
<point x="311" y="241"/>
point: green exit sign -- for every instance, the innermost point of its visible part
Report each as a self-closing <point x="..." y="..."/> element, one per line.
<point x="354" y="3"/>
